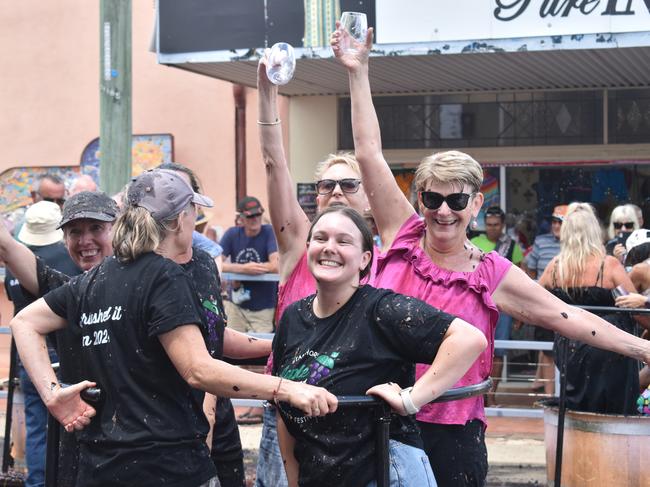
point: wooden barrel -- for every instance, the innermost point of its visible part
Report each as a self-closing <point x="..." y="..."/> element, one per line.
<point x="600" y="450"/>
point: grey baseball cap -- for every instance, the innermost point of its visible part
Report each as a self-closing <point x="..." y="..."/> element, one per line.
<point x="94" y="205"/>
<point x="163" y="193"/>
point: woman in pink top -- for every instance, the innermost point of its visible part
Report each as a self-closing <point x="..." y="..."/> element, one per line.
<point x="432" y="259"/>
<point x="338" y="183"/>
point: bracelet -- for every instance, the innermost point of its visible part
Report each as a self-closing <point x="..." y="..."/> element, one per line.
<point x="277" y="122"/>
<point x="277" y="390"/>
<point x="409" y="407"/>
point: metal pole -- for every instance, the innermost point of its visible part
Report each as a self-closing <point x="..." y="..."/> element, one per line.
<point x="7" y="461"/>
<point x="115" y="94"/>
<point x="559" y="443"/>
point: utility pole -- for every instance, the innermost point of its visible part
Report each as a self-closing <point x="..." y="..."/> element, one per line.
<point x="115" y="94"/>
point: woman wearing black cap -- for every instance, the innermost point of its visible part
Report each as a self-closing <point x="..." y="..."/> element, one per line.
<point x="136" y="317"/>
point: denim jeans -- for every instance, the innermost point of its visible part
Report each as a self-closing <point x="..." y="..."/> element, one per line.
<point x="36" y="434"/>
<point x="409" y="467"/>
<point x="270" y="468"/>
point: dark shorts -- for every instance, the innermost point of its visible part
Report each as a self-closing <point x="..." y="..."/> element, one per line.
<point x="457" y="454"/>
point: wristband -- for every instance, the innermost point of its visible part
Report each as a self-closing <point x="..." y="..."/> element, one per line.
<point x="277" y="122"/>
<point x="409" y="407"/>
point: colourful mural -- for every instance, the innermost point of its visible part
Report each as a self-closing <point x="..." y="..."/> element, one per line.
<point x="16" y="184"/>
<point x="148" y="151"/>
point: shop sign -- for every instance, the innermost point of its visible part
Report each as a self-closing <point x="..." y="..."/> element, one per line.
<point x="411" y="21"/>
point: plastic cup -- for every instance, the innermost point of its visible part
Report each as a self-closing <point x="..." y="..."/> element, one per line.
<point x="281" y="63"/>
<point x="355" y="24"/>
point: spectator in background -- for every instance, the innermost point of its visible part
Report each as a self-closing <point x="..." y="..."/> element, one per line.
<point x="622" y="222"/>
<point x="47" y="187"/>
<point x="495" y="238"/>
<point x="545" y="247"/>
<point x="41" y="235"/>
<point x="639" y="214"/>
<point x="252" y="250"/>
<point x="83" y="183"/>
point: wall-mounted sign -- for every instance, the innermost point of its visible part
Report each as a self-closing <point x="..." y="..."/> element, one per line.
<point x="456" y="20"/>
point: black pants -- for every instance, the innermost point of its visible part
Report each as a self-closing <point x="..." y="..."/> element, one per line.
<point x="458" y="454"/>
<point x="227" y="453"/>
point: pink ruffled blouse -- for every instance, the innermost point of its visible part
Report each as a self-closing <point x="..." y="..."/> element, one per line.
<point x="407" y="269"/>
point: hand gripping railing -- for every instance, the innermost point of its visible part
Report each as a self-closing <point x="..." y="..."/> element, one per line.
<point x="382" y="415"/>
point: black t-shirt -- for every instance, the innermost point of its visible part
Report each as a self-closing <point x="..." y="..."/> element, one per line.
<point x="150" y="429"/>
<point x="55" y="256"/>
<point x="376" y="337"/>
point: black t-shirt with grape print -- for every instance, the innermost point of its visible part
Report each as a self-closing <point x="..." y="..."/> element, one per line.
<point x="376" y="337"/>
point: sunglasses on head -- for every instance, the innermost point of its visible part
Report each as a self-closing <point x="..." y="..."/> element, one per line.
<point x="58" y="201"/>
<point x="347" y="185"/>
<point x="619" y="225"/>
<point x="455" y="201"/>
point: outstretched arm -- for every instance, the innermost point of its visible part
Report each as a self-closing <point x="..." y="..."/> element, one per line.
<point x="19" y="260"/>
<point x="390" y="208"/>
<point x="524" y="299"/>
<point x="290" y="223"/>
<point x="186" y="349"/>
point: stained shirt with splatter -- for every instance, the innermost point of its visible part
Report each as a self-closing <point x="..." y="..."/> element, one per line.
<point x="376" y="337"/>
<point x="406" y="268"/>
<point x="150" y="429"/>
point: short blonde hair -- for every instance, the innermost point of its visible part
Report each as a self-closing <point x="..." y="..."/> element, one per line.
<point x="450" y="167"/>
<point x="333" y="159"/>
<point x="623" y="213"/>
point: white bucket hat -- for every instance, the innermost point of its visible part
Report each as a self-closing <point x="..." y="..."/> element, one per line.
<point x="41" y="222"/>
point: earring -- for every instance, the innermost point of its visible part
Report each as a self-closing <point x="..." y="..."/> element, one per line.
<point x="474" y="224"/>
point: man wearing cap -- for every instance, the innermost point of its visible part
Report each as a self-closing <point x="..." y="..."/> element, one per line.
<point x="545" y="247"/>
<point x="252" y="250"/>
<point x="496" y="239"/>
<point x="86" y="223"/>
<point x="40" y="233"/>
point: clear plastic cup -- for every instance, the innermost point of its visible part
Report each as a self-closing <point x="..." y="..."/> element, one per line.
<point x="355" y="24"/>
<point x="281" y="63"/>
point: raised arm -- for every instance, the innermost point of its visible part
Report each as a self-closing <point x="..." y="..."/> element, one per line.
<point x="290" y="223"/>
<point x="186" y="349"/>
<point x="523" y="299"/>
<point x="19" y="260"/>
<point x="390" y="208"/>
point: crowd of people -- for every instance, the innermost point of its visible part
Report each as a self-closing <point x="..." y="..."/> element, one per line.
<point x="128" y="297"/>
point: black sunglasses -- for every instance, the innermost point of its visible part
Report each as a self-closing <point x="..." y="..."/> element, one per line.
<point x="619" y="225"/>
<point x="348" y="185"/>
<point x="58" y="201"/>
<point x="455" y="201"/>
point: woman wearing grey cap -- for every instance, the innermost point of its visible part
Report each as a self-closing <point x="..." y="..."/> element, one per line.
<point x="138" y="320"/>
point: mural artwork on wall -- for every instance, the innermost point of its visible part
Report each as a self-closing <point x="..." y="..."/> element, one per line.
<point x="148" y="151"/>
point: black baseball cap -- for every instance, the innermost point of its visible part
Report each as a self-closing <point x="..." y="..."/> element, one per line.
<point x="89" y="204"/>
<point x="250" y="206"/>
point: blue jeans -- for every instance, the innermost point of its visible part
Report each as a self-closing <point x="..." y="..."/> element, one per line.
<point x="270" y="468"/>
<point x="36" y="435"/>
<point x="409" y="467"/>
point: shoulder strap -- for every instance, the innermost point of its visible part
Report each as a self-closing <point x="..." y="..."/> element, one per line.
<point x="601" y="274"/>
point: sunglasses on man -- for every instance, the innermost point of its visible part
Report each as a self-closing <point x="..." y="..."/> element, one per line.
<point x="619" y="225"/>
<point x="455" y="201"/>
<point x="58" y="201"/>
<point x="347" y="185"/>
